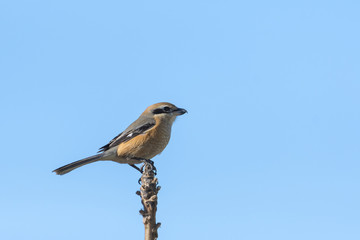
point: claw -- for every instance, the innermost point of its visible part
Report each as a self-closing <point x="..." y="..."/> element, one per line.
<point x="152" y="166"/>
<point x="149" y="161"/>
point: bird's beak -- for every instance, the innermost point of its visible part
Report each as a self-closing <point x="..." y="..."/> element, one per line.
<point x="180" y="111"/>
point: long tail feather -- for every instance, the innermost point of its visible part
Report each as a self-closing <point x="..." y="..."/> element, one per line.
<point x="71" y="166"/>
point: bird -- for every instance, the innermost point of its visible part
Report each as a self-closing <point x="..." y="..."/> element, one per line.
<point x="142" y="140"/>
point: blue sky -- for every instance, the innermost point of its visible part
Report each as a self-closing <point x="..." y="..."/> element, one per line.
<point x="269" y="149"/>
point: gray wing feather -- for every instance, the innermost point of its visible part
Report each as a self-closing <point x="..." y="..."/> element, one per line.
<point x="140" y="126"/>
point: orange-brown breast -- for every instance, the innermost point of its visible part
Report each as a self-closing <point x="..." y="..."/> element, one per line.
<point x="147" y="145"/>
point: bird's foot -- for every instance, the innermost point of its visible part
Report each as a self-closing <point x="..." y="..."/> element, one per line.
<point x="141" y="169"/>
<point x="144" y="160"/>
<point x="148" y="161"/>
<point x="151" y="163"/>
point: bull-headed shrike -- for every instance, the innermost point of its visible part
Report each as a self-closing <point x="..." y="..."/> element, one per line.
<point x="142" y="140"/>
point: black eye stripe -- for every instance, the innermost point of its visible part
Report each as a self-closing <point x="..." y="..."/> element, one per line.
<point x="158" y="111"/>
<point x="161" y="110"/>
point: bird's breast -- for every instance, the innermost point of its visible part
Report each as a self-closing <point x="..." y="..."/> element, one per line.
<point x="147" y="145"/>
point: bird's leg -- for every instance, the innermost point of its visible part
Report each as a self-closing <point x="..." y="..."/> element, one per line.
<point x="139" y="169"/>
<point x="144" y="160"/>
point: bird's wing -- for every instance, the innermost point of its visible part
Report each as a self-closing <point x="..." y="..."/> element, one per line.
<point x="140" y="126"/>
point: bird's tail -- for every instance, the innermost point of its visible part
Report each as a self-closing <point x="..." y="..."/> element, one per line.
<point x="71" y="166"/>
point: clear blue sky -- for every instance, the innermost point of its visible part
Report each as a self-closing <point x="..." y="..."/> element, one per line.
<point x="269" y="149"/>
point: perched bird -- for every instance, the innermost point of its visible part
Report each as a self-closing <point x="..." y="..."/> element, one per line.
<point x="142" y="140"/>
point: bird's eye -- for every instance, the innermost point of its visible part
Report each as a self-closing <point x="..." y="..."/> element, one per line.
<point x="166" y="109"/>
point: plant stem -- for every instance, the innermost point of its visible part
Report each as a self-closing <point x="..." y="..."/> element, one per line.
<point x="148" y="193"/>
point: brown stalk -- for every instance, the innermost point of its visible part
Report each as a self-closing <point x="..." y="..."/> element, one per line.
<point x="148" y="193"/>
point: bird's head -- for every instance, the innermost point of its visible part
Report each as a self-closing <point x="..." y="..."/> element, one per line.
<point x="164" y="111"/>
